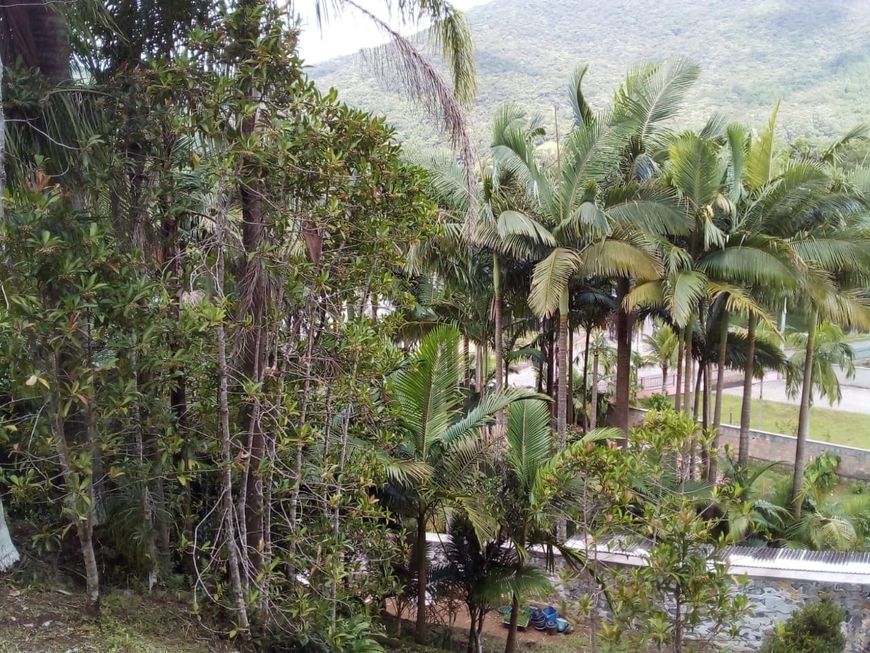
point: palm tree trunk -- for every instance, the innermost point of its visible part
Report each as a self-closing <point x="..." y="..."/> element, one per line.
<point x="551" y="361"/>
<point x="570" y="408"/>
<point x="688" y="372"/>
<point x="707" y="453"/>
<point x="623" y="357"/>
<point x="746" y="408"/>
<point x="498" y="342"/>
<point x="678" y="393"/>
<point x="422" y="564"/>
<point x="585" y="370"/>
<point x="720" y="371"/>
<point x="803" y="419"/>
<point x="563" y="369"/>
<point x="593" y="408"/>
<point x="712" y="468"/>
<point x="697" y="395"/>
<point x="665" y="379"/>
<point x="466" y="362"/>
<point x="511" y="643"/>
<point x="8" y="553"/>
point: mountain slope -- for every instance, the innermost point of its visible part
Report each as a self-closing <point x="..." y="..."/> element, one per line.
<point x="814" y="55"/>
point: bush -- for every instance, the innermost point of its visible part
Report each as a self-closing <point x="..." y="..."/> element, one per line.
<point x="658" y="401"/>
<point x="815" y="628"/>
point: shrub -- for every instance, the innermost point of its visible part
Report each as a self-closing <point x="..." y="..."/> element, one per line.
<point x="815" y="628"/>
<point x="658" y="401"/>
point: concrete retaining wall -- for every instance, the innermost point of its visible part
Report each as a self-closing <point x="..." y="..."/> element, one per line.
<point x="854" y="463"/>
<point x="860" y="380"/>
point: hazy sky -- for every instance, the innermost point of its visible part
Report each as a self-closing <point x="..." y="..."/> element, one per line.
<point x="350" y="31"/>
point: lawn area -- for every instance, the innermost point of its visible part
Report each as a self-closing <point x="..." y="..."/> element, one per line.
<point x="826" y="424"/>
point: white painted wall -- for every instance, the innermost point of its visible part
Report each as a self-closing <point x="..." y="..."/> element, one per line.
<point x="8" y="552"/>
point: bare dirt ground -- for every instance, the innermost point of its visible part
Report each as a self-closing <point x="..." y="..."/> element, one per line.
<point x="51" y="621"/>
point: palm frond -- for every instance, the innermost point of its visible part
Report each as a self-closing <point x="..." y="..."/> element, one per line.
<point x="583" y="114"/>
<point x="653" y="95"/>
<point x="529" y="438"/>
<point x="620" y="259"/>
<point x="550" y="278"/>
<point x="759" y="163"/>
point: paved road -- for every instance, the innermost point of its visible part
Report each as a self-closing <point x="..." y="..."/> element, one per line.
<point x="855" y="400"/>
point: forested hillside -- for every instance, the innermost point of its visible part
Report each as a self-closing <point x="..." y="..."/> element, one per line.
<point x="813" y="55"/>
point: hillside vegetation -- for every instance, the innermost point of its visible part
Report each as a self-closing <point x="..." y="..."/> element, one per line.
<point x="814" y="56"/>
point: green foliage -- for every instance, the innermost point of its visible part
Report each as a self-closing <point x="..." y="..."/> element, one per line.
<point x="814" y="628"/>
<point x="684" y="583"/>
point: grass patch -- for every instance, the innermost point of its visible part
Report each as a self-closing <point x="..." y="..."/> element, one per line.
<point x="826" y="424"/>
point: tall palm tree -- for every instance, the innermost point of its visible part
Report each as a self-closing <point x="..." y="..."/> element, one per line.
<point x="817" y="216"/>
<point x="597" y="230"/>
<point x="488" y="220"/>
<point x="537" y="481"/>
<point x="440" y="443"/>
<point x="847" y="304"/>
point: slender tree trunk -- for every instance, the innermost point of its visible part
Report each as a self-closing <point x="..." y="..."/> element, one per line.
<point x="746" y="408"/>
<point x="713" y="467"/>
<point x="84" y="524"/>
<point x="500" y="418"/>
<point x="720" y="371"/>
<point x="570" y="408"/>
<point x="228" y="505"/>
<point x="563" y="369"/>
<point x="696" y="393"/>
<point x="478" y="369"/>
<point x="511" y="643"/>
<point x="804" y="418"/>
<point x="551" y="362"/>
<point x="593" y="408"/>
<point x="8" y="553"/>
<point x="585" y="374"/>
<point x="422" y="564"/>
<point x="688" y="373"/>
<point x="665" y="379"/>
<point x="706" y="454"/>
<point x="623" y="357"/>
<point x="678" y="392"/>
<point x="678" y="626"/>
<point x="466" y="362"/>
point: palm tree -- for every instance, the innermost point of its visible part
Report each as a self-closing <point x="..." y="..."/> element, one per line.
<point x="815" y="215"/>
<point x="826" y="300"/>
<point x="537" y="481"/>
<point x="487" y="221"/>
<point x="596" y="229"/>
<point x="404" y="63"/>
<point x="830" y="352"/>
<point x="440" y="443"/>
<point x="599" y="346"/>
<point x="663" y="350"/>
